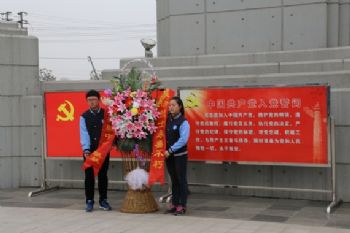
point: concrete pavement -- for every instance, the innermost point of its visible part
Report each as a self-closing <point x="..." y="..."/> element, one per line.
<point x="63" y="211"/>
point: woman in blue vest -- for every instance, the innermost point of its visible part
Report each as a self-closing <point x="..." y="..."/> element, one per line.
<point x="177" y="134"/>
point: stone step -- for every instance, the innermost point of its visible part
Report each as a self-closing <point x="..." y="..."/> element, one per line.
<point x="245" y="69"/>
<point x="337" y="79"/>
<point x="246" y="58"/>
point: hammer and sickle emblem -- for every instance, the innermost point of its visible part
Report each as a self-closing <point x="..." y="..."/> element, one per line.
<point x="68" y="115"/>
<point x="191" y="101"/>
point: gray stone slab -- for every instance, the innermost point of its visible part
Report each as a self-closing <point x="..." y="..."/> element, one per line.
<point x="234" y="208"/>
<point x="312" y="213"/>
<point x="339" y="224"/>
<point x="278" y="212"/>
<point x="321" y="204"/>
<point x="339" y="107"/>
<point x="184" y="27"/>
<point x="163" y="38"/>
<point x="297" y="220"/>
<point x="22" y="111"/>
<point x="342" y="145"/>
<point x="162" y="9"/>
<point x="33" y="205"/>
<point x="8" y="25"/>
<point x="265" y="22"/>
<point x="343" y="184"/>
<point x="186" y="7"/>
<point x="302" y="2"/>
<point x="20" y="50"/>
<point x="20" y="171"/>
<point x="256" y="201"/>
<point x="20" y="141"/>
<point x="290" y="202"/>
<point x="203" y="214"/>
<point x="226" y="5"/>
<point x="268" y="218"/>
<point x="285" y="207"/>
<point x="19" y="80"/>
<point x="17" y="32"/>
<point x="212" y="208"/>
<point x="236" y="215"/>
<point x="64" y="195"/>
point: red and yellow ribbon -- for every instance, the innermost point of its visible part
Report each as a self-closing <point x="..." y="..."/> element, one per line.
<point x="159" y="141"/>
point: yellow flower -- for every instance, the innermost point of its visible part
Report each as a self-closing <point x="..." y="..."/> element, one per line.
<point x="134" y="111"/>
<point x="133" y="94"/>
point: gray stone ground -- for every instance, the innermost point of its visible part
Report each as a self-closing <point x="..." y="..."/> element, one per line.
<point x="63" y="211"/>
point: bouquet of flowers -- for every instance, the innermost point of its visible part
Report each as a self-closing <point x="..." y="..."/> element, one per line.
<point x="132" y="110"/>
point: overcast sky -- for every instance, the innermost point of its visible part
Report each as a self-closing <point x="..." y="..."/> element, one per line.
<point x="71" y="30"/>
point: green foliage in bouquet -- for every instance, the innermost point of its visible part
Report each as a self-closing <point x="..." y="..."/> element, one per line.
<point x="127" y="145"/>
<point x="146" y="144"/>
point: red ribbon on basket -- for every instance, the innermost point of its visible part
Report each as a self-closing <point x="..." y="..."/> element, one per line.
<point x="159" y="141"/>
<point x="96" y="159"/>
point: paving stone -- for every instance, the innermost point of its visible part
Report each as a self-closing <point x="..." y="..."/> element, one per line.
<point x="212" y="208"/>
<point x="33" y="205"/>
<point x="269" y="218"/>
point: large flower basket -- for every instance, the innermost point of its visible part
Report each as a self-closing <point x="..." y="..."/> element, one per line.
<point x="133" y="113"/>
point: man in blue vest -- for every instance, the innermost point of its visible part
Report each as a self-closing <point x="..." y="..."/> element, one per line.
<point x="91" y="122"/>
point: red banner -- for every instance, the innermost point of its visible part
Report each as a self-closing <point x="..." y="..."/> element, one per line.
<point x="63" y="110"/>
<point x="286" y="125"/>
<point x="159" y="143"/>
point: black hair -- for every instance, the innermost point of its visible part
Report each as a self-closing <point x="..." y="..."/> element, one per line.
<point x="180" y="103"/>
<point x="92" y="93"/>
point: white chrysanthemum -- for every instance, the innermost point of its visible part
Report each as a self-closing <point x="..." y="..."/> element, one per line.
<point x="137" y="178"/>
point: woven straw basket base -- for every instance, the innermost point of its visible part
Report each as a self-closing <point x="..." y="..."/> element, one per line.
<point x="139" y="201"/>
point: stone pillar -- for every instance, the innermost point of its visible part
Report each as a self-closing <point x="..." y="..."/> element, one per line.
<point x="21" y="108"/>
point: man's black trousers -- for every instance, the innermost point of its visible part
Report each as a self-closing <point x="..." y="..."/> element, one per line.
<point x="102" y="181"/>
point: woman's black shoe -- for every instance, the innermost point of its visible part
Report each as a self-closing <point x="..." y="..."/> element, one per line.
<point x="180" y="212"/>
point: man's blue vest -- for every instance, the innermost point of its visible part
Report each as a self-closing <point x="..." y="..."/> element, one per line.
<point x="94" y="122"/>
